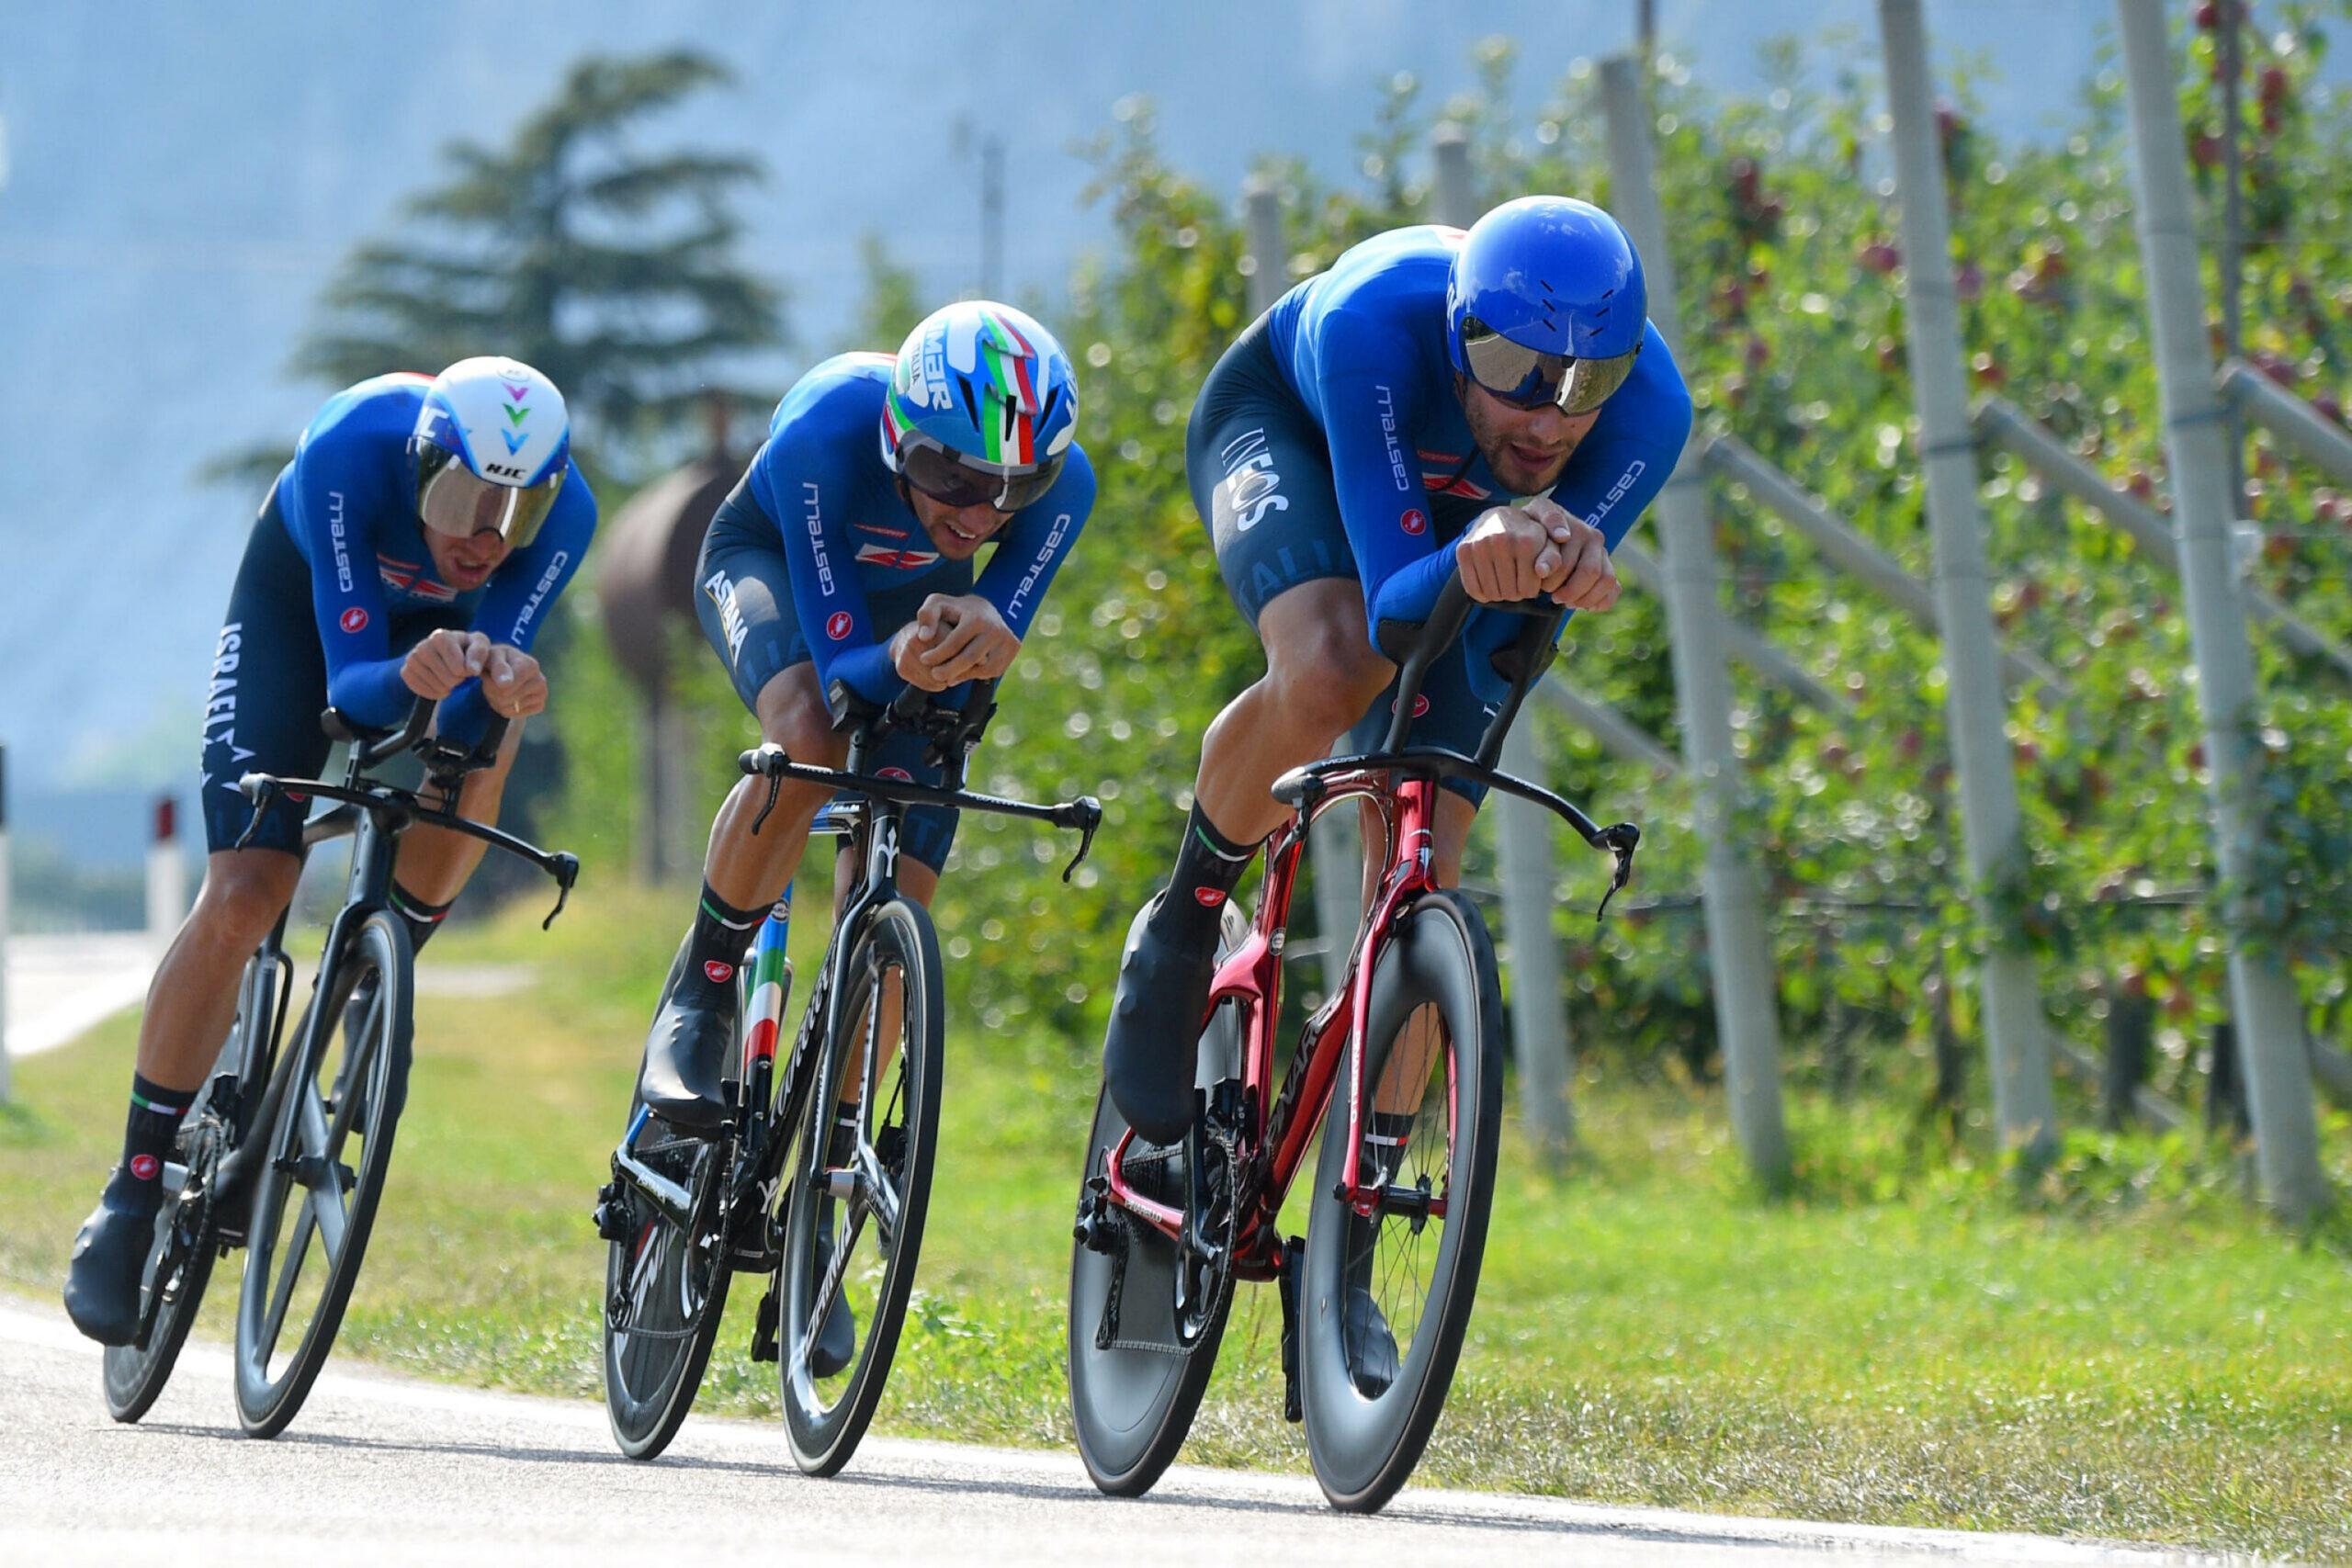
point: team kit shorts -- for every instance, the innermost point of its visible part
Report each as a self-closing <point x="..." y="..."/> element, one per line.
<point x="1260" y="473"/>
<point x="269" y="686"/>
<point x="743" y="567"/>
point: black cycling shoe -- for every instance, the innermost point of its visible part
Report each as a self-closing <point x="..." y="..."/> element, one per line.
<point x="685" y="1059"/>
<point x="1150" y="1055"/>
<point x="102" y="1281"/>
<point x="837" y="1341"/>
<point x="1371" y="1347"/>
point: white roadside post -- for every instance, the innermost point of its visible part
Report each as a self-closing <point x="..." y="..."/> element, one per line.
<point x="2262" y="994"/>
<point x="167" y="875"/>
<point x="1333" y="851"/>
<point x="1739" y="949"/>
<point x="1539" y="1018"/>
<point x="2015" y="1034"/>
<point x="5" y="1090"/>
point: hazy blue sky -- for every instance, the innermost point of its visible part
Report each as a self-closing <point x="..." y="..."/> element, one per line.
<point x="175" y="182"/>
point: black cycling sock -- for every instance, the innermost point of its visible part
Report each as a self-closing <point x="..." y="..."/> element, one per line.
<point x="156" y="1112"/>
<point x="1207" y="867"/>
<point x="715" y="948"/>
<point x="421" y="917"/>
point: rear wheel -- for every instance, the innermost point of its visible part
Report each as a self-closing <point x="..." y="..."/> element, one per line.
<point x="1385" y="1298"/>
<point x="861" y="1184"/>
<point x="1136" y="1372"/>
<point x="329" y="1151"/>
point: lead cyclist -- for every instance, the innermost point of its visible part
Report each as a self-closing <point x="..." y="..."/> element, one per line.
<point x="1495" y="402"/>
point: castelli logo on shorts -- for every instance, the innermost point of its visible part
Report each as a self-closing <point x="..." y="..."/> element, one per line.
<point x="1210" y="897"/>
<point x="719" y="973"/>
<point x="354" y="620"/>
<point x="144" y="1167"/>
<point x="1415" y="521"/>
<point x="1421" y="703"/>
<point x="837" y="624"/>
<point x="899" y="773"/>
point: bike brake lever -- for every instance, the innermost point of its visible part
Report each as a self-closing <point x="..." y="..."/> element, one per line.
<point x="1090" y="817"/>
<point x="566" y="868"/>
<point x="775" y="782"/>
<point x="261" y="790"/>
<point x="1621" y="839"/>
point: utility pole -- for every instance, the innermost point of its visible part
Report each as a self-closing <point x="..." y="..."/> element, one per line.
<point x="2263" y="999"/>
<point x="1539" y="1017"/>
<point x="1740" y="949"/>
<point x="2015" y="1034"/>
<point x="5" y="1087"/>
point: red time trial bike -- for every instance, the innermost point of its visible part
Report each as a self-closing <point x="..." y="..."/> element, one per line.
<point x="1401" y="1070"/>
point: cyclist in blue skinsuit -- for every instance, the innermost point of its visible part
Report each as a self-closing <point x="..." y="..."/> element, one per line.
<point x="412" y="548"/>
<point x="1494" y="401"/>
<point x="841" y="572"/>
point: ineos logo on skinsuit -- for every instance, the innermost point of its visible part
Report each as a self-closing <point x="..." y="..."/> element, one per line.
<point x="1251" y="485"/>
<point x="353" y="620"/>
<point x="837" y="624"/>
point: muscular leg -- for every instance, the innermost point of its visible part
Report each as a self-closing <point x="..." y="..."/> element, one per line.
<point x="750" y="870"/>
<point x="193" y="997"/>
<point x="1321" y="674"/>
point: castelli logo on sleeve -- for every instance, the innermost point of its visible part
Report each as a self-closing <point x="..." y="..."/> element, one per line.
<point x="144" y="1167"/>
<point x="1210" y="897"/>
<point x="837" y="624"/>
<point x="1421" y="703"/>
<point x="719" y="973"/>
<point x="353" y="620"/>
<point x="1415" y="521"/>
<point x="899" y="773"/>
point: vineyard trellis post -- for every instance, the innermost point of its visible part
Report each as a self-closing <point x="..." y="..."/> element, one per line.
<point x="1335" y="857"/>
<point x="2016" y="1033"/>
<point x="1523" y="830"/>
<point x="2264" y="1004"/>
<point x="1739" y="948"/>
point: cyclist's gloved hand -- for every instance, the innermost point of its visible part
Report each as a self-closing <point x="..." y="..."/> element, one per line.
<point x="444" y="660"/>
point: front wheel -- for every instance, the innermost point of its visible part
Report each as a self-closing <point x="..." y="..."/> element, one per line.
<point x="1386" y="1296"/>
<point x="861" y="1182"/>
<point x="1138" y="1370"/>
<point x="330" y="1150"/>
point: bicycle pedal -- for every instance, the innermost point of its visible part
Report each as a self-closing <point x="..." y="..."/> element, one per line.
<point x="611" y="1214"/>
<point x="764" y="1346"/>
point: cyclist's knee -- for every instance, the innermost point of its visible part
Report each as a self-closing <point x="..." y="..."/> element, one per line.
<point x="243" y="892"/>
<point x="793" y="715"/>
<point x="1324" y="675"/>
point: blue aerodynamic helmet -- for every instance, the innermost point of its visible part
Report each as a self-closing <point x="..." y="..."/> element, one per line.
<point x="1545" y="304"/>
<point x="981" y="407"/>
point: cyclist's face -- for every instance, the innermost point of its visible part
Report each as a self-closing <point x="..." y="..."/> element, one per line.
<point x="465" y="564"/>
<point x="956" y="532"/>
<point x="1525" y="447"/>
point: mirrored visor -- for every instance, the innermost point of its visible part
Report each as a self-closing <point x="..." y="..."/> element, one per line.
<point x="1528" y="377"/>
<point x="954" y="480"/>
<point x="455" y="500"/>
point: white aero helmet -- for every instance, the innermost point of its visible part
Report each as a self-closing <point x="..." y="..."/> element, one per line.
<point x="492" y="445"/>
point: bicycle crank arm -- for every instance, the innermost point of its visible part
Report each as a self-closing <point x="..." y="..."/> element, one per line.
<point x="676" y="1203"/>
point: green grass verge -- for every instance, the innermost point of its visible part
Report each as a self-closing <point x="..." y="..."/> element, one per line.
<point x="2127" y="1353"/>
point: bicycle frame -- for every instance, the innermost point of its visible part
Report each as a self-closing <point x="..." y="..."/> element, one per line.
<point x="1401" y="785"/>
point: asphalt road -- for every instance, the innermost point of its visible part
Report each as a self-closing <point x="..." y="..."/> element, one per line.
<point x="381" y="1469"/>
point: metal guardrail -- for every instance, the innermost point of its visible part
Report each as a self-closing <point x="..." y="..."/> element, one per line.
<point x="2288" y="417"/>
